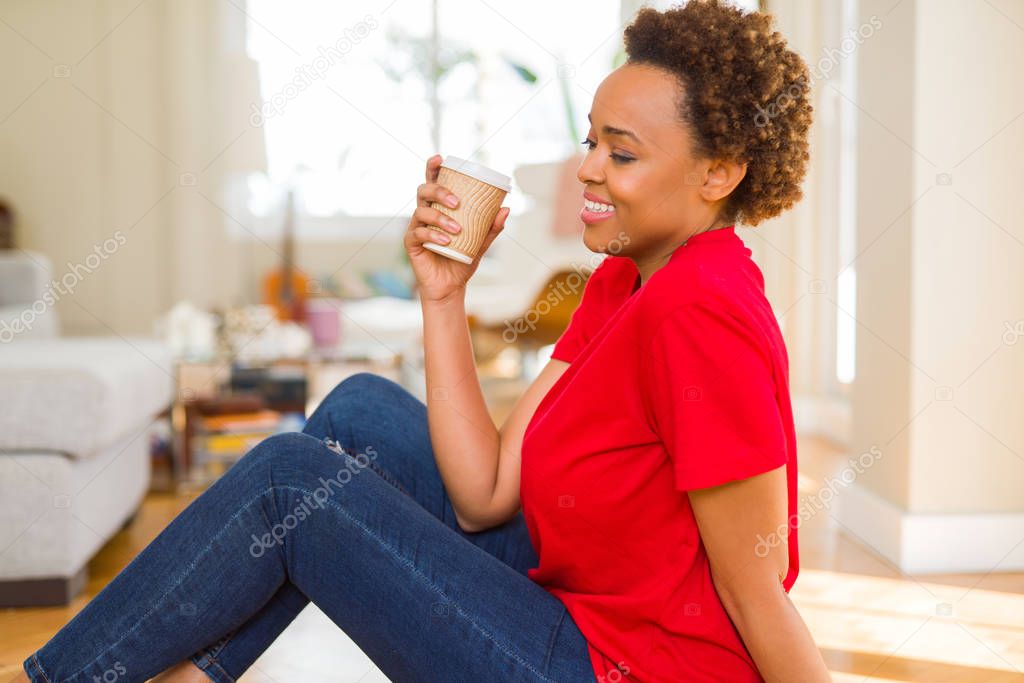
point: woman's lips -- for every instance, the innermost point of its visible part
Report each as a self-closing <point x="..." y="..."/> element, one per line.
<point x="589" y="217"/>
<point x="595" y="209"/>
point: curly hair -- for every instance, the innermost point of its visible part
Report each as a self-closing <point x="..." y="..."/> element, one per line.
<point x="744" y="96"/>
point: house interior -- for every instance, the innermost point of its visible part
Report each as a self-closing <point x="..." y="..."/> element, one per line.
<point x="202" y="205"/>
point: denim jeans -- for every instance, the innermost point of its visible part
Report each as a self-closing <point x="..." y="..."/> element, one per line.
<point x="352" y="515"/>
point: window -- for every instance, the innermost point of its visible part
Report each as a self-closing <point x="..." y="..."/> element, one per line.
<point x="347" y="114"/>
<point x="846" y="282"/>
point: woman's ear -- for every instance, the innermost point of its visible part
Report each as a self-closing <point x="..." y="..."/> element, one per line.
<point x="722" y="178"/>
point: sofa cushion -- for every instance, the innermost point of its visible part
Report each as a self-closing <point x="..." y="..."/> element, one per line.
<point x="58" y="511"/>
<point x="79" y="395"/>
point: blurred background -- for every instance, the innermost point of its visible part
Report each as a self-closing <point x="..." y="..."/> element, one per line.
<point x="201" y="211"/>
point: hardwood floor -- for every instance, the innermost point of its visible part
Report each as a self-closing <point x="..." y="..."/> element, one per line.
<point x="872" y="623"/>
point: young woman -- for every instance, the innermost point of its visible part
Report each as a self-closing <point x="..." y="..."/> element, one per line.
<point x="631" y="518"/>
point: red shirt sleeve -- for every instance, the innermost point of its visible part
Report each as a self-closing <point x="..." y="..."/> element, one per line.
<point x="585" y="321"/>
<point x="710" y="394"/>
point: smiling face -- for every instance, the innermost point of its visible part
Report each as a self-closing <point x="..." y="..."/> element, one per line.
<point x="641" y="161"/>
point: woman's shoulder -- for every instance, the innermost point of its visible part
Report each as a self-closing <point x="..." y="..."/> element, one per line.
<point x="732" y="285"/>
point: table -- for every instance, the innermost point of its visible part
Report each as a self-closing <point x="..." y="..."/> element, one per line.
<point x="203" y="391"/>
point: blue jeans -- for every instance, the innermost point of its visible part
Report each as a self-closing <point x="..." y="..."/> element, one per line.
<point x="350" y="514"/>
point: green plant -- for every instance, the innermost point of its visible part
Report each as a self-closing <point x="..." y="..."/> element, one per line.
<point x="421" y="57"/>
<point x="530" y="77"/>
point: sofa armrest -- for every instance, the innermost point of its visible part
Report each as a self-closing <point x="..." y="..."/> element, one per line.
<point x="27" y="296"/>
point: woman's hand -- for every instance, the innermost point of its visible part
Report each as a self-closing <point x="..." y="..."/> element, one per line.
<point x="440" y="277"/>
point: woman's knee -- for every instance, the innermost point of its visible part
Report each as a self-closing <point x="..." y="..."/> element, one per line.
<point x="364" y="388"/>
<point x="293" y="449"/>
<point x="360" y="399"/>
<point x="297" y="459"/>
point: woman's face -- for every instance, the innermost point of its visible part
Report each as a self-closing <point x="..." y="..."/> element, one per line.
<point x="640" y="162"/>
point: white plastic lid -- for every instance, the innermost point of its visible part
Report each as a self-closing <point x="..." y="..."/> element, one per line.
<point x="478" y="171"/>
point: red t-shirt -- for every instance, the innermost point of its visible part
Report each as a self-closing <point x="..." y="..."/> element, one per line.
<point x="682" y="385"/>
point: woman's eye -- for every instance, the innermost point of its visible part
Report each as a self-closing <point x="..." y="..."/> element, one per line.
<point x="618" y="158"/>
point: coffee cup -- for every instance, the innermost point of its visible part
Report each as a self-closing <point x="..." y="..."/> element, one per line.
<point x="481" y="191"/>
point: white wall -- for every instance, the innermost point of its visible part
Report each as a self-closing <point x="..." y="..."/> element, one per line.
<point x="967" y="263"/>
<point x="77" y="163"/>
<point x="939" y="275"/>
<point x="102" y="151"/>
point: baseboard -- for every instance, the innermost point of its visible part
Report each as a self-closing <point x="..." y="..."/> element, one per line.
<point x="826" y="417"/>
<point x="46" y="592"/>
<point x="932" y="543"/>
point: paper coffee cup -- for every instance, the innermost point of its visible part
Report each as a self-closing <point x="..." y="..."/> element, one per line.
<point x="481" y="191"/>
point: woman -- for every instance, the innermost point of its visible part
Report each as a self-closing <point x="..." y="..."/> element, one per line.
<point x="653" y="457"/>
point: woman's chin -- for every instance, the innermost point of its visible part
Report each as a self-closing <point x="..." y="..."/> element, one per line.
<point x="600" y="239"/>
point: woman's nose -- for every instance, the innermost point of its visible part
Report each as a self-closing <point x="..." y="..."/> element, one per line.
<point x="589" y="172"/>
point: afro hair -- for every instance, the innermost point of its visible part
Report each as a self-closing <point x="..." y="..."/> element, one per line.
<point x="745" y="96"/>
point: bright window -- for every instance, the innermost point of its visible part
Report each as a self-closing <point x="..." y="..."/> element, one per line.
<point x="347" y="107"/>
<point x="846" y="327"/>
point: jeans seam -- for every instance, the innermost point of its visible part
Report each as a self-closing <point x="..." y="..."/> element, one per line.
<point x="213" y="652"/>
<point x="403" y="560"/>
<point x="219" y="646"/>
<point x="386" y="476"/>
<point x="212" y="661"/>
<point x="39" y="668"/>
<point x="551" y="643"/>
<point x="205" y="662"/>
<point x="188" y="570"/>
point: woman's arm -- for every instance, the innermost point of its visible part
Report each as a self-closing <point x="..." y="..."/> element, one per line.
<point x="465" y="440"/>
<point x="734" y="519"/>
<point x="479" y="464"/>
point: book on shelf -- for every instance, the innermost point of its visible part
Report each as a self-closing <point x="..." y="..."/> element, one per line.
<point x="261" y="420"/>
<point x="232" y="444"/>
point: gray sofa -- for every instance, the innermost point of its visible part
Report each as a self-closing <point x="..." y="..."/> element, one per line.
<point x="75" y="419"/>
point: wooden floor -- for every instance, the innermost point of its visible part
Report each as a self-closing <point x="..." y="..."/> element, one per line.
<point x="872" y="623"/>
